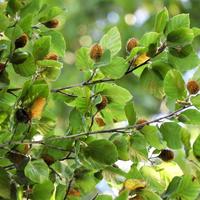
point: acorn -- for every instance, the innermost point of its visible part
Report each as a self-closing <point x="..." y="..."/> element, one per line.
<point x="74" y="192"/>
<point x="21" y="41"/>
<point x="48" y="159"/>
<point x="102" y="104"/>
<point x="52" y="23"/>
<point x="132" y="43"/>
<point x="22" y="116"/>
<point x="19" y="57"/>
<point x="140" y="122"/>
<point x="166" y="155"/>
<point x="2" y="67"/>
<point x="99" y="121"/>
<point x="37" y="108"/>
<point x="51" y="56"/>
<point x="96" y="52"/>
<point x="193" y="87"/>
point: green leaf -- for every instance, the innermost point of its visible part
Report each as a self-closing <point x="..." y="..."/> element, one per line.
<point x="178" y="21"/>
<point x="196" y="101"/>
<point x="171" y="133"/>
<point x="37" y="171"/>
<point x="120" y="95"/>
<point x="149" y="38"/>
<point x="26" y="23"/>
<point x="102" y="151"/>
<point x="149" y="195"/>
<point x="130" y="113"/>
<point x="41" y="47"/>
<point x="43" y="191"/>
<point x="153" y="137"/>
<point x="58" y="44"/>
<point x="190" y="116"/>
<point x="181" y="36"/>
<point x="174" y="85"/>
<point x="4" y="22"/>
<point x="50" y="13"/>
<point x="75" y="121"/>
<point x="83" y="60"/>
<point x="112" y="41"/>
<point x="123" y="195"/>
<point x="4" y="80"/>
<point x="186" y="63"/>
<point x="183" y="187"/>
<point x="138" y="146"/>
<point x="5" y="186"/>
<point x="104" y="197"/>
<point x="152" y="82"/>
<point x="161" y="20"/>
<point x="172" y="187"/>
<point x="122" y="145"/>
<point x="50" y="68"/>
<point x="63" y="145"/>
<point x="196" y="148"/>
<point x="181" y="52"/>
<point x="116" y="69"/>
<point x="27" y="68"/>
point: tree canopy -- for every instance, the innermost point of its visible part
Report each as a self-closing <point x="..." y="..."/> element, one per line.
<point x="130" y="124"/>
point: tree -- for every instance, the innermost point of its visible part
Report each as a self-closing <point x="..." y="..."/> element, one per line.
<point x="39" y="163"/>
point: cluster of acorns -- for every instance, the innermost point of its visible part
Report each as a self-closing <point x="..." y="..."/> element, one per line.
<point x="20" y="56"/>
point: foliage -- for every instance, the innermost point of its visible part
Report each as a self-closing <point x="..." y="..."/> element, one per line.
<point x="38" y="162"/>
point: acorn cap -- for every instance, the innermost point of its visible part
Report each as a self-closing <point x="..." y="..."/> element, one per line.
<point x="96" y="52"/>
<point x="51" y="56"/>
<point x="48" y="159"/>
<point x="21" y="41"/>
<point x="166" y="155"/>
<point x="193" y="87"/>
<point x="132" y="43"/>
<point x="102" y="104"/>
<point x="139" y="123"/>
<point x="52" y="23"/>
<point x="99" y="121"/>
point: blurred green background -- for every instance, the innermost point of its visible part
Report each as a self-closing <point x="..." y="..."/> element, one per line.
<point x="84" y="23"/>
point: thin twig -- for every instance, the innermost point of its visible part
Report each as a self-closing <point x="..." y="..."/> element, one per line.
<point x="68" y="188"/>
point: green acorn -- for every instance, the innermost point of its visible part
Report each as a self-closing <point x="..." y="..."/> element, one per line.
<point x="19" y="57"/>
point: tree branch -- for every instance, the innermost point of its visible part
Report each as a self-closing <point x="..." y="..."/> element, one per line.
<point x="105" y="131"/>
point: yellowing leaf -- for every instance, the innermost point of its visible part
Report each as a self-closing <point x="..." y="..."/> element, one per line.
<point x="134" y="184"/>
<point x="141" y="59"/>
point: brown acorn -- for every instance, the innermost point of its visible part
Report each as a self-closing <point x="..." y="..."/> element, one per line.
<point x="21" y="41"/>
<point x="74" y="192"/>
<point x="52" y="23"/>
<point x="48" y="159"/>
<point x="102" y="104"/>
<point x="132" y="43"/>
<point x="193" y="87"/>
<point x="96" y="52"/>
<point x="2" y="67"/>
<point x="37" y="108"/>
<point x="99" y="121"/>
<point x="139" y="123"/>
<point x="166" y="155"/>
<point x="51" y="56"/>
